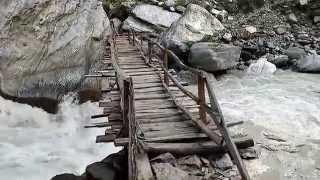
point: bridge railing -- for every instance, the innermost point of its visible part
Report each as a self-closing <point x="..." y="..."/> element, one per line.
<point x="155" y="50"/>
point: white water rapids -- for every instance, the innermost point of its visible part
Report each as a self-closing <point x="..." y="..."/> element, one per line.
<point x="36" y="146"/>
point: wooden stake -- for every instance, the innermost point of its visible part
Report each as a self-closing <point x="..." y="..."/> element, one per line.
<point x="165" y="64"/>
<point x="202" y="98"/>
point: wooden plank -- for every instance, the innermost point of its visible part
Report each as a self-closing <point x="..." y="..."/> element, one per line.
<point x="108" y="103"/>
<point x="146" y="85"/>
<point x="105" y="138"/>
<point x="156" y="115"/>
<point x="207" y="147"/>
<point x="161" y="119"/>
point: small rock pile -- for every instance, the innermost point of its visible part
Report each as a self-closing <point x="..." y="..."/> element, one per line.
<point x="196" y="167"/>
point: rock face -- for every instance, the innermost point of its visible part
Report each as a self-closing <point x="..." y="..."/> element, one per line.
<point x="48" y="45"/>
<point x="213" y="56"/>
<point x="195" y="25"/>
<point x="155" y="15"/>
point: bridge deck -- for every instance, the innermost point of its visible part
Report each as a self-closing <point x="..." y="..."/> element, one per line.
<point x="149" y="110"/>
<point x="157" y="115"/>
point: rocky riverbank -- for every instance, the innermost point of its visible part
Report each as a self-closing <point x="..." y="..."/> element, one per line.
<point x="285" y="33"/>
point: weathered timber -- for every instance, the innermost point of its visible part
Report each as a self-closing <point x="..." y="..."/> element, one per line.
<point x="207" y="147"/>
<point x="105" y="138"/>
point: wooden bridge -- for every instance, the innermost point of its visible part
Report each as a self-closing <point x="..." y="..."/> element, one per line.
<point x="150" y="111"/>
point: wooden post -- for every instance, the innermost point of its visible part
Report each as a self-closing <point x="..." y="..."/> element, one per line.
<point x="149" y="51"/>
<point x="165" y="64"/>
<point x="125" y="107"/>
<point x="133" y="38"/>
<point x="141" y="42"/>
<point x="202" y="98"/>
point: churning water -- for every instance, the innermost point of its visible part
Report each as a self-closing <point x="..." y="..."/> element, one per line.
<point x="286" y="102"/>
<point x="35" y="145"/>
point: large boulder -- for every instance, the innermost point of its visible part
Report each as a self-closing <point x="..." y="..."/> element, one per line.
<point x="155" y="15"/>
<point x="262" y="67"/>
<point x="213" y="56"/>
<point x="309" y="63"/>
<point x="137" y="25"/>
<point x="48" y="45"/>
<point x="195" y="25"/>
<point x="67" y="176"/>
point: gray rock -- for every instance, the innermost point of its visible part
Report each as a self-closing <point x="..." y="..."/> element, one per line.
<point x="165" y="158"/>
<point x="191" y="160"/>
<point x="224" y="162"/>
<point x="155" y="15"/>
<point x="100" y="171"/>
<point x="227" y="37"/>
<point x="117" y="24"/>
<point x="248" y="153"/>
<point x="195" y="25"/>
<point x="281" y="30"/>
<point x="67" y="177"/>
<point x="292" y="18"/>
<point x="180" y="9"/>
<point x="303" y="2"/>
<point x="295" y="53"/>
<point x="47" y="46"/>
<point x="309" y="63"/>
<point x="165" y="171"/>
<point x="281" y="61"/>
<point x="316" y="19"/>
<point x="170" y="3"/>
<point x="262" y="67"/>
<point x="213" y="56"/>
<point x="137" y="25"/>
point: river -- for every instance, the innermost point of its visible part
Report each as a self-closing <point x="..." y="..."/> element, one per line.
<point x="35" y="145"/>
<point x="285" y="105"/>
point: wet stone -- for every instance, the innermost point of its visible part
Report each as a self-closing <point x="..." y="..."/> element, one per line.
<point x="190" y="161"/>
<point x="224" y="162"/>
<point x="249" y="153"/>
<point x="165" y="158"/>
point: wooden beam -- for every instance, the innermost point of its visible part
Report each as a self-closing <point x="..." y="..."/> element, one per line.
<point x="207" y="147"/>
<point x="202" y="99"/>
<point x="105" y="138"/>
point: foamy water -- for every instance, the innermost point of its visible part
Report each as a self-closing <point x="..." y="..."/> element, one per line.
<point x="286" y="102"/>
<point x="35" y="145"/>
